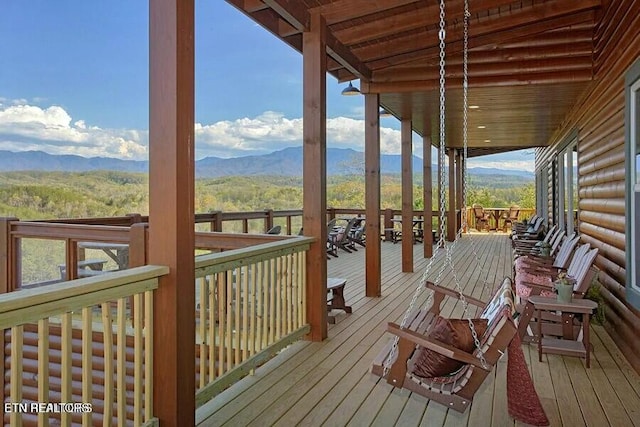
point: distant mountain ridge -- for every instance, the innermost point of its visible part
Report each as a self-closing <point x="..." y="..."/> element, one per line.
<point x="285" y="162"/>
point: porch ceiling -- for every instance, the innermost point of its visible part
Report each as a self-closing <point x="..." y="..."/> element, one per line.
<point x="529" y="60"/>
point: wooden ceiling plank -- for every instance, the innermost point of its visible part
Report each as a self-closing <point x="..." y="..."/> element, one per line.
<point x="533" y="16"/>
<point x="476" y="41"/>
<point x="406" y="21"/>
<point x="345" y="10"/>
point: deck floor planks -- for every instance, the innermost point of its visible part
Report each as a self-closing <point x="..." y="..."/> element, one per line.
<point x="568" y="405"/>
<point x="542" y="382"/>
<point x="618" y="398"/>
<point x="591" y="409"/>
<point x="349" y="395"/>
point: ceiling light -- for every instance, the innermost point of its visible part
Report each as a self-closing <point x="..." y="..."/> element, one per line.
<point x="487" y="140"/>
<point x="350" y="90"/>
<point x="385" y="113"/>
<point x="482" y="127"/>
<point x="473" y="107"/>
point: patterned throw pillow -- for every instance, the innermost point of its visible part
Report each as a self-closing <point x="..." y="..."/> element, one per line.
<point x="455" y="332"/>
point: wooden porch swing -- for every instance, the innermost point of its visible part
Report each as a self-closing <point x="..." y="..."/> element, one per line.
<point x="447" y="360"/>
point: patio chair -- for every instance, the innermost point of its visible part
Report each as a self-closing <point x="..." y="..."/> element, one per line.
<point x="521" y="226"/>
<point x="526" y="246"/>
<point x="274" y="230"/>
<point x="512" y="217"/>
<point x="557" y="260"/>
<point x="425" y="349"/>
<point x="482" y="218"/>
<point x="582" y="270"/>
<point x="534" y="231"/>
<point x="357" y="235"/>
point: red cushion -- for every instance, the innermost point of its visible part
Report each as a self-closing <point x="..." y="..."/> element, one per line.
<point x="455" y="332"/>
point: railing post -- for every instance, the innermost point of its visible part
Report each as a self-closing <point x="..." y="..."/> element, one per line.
<point x="216" y="221"/>
<point x="331" y="212"/>
<point x="6" y="264"/>
<point x="268" y="220"/>
<point x="134" y="218"/>
<point x="138" y="246"/>
<point x="388" y="223"/>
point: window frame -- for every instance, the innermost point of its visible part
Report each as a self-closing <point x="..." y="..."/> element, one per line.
<point x="632" y="190"/>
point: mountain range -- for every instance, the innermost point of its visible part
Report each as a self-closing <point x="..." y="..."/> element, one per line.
<point x="285" y="162"/>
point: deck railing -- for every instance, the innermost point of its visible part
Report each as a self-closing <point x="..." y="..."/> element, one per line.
<point x="76" y="343"/>
<point x="251" y="303"/>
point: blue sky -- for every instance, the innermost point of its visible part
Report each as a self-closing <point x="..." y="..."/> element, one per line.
<point x="74" y="80"/>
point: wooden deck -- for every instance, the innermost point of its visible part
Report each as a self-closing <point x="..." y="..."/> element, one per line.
<point x="329" y="384"/>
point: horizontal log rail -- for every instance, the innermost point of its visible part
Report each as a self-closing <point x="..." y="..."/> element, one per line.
<point x="69" y="344"/>
<point x="250" y="304"/>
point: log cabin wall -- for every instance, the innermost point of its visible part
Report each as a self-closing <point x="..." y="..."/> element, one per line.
<point x="598" y="117"/>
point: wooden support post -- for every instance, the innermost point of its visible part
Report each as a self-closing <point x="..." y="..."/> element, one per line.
<point x="407" y="195"/>
<point x="427" y="195"/>
<point x="373" y="264"/>
<point x="314" y="172"/>
<point x="451" y="214"/>
<point x="171" y="207"/>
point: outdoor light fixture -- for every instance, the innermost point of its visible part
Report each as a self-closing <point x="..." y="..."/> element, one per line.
<point x="384" y="112"/>
<point x="351" y="90"/>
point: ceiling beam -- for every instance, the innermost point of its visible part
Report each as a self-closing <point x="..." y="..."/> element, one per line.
<point x="484" y="81"/>
<point x="294" y="12"/>
<point x="485" y="69"/>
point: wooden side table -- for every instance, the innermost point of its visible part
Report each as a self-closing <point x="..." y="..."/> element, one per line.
<point x="565" y="347"/>
<point x="335" y="287"/>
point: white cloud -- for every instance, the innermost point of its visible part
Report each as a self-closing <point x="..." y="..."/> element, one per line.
<point x="29" y="127"/>
<point x="53" y="130"/>
<point x="272" y="131"/>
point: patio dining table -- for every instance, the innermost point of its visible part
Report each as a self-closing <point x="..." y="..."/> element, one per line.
<point x="118" y="252"/>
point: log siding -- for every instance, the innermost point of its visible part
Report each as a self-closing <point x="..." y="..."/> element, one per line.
<point x="598" y="118"/>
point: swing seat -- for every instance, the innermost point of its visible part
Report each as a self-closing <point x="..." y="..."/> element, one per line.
<point x="456" y="389"/>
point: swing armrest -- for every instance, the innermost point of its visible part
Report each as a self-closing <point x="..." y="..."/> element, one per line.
<point x="454" y="294"/>
<point x="436" y="345"/>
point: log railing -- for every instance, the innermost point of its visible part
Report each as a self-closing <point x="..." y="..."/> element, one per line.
<point x="250" y="305"/>
<point x="75" y="343"/>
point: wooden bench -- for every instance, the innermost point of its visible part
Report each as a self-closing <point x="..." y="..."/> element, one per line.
<point x="335" y="298"/>
<point x="86" y="268"/>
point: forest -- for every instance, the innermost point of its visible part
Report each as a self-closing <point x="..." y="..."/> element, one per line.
<point x="48" y="195"/>
<point x="51" y="195"/>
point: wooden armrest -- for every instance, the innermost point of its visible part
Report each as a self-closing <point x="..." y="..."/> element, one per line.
<point x="538" y="286"/>
<point x="455" y="294"/>
<point x="436" y="345"/>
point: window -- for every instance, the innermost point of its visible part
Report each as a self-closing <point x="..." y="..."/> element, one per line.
<point x="632" y="147"/>
<point x="542" y="191"/>
<point x="567" y="176"/>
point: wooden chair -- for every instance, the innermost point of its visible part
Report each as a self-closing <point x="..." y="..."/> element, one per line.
<point x="527" y="246"/>
<point x="457" y="390"/>
<point x="581" y="269"/>
<point x="482" y="218"/>
<point x="512" y="217"/>
<point x="557" y="260"/>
